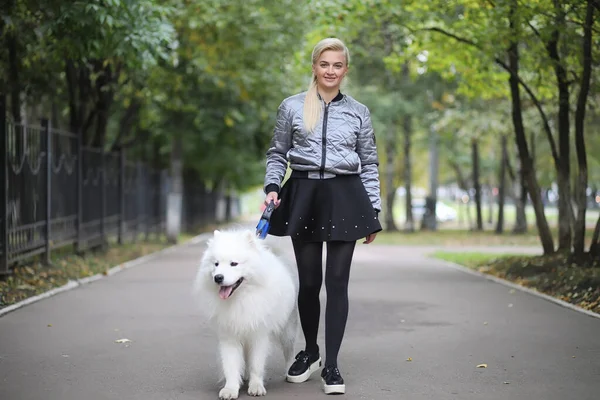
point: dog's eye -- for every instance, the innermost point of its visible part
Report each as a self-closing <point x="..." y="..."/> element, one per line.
<point x="233" y="264"/>
<point x="216" y="263"/>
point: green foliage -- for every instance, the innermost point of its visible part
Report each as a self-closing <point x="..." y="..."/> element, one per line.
<point x="137" y="33"/>
<point x="214" y="71"/>
<point x="231" y="71"/>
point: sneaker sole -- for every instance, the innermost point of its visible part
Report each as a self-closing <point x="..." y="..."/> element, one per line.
<point x="333" y="389"/>
<point x="304" y="377"/>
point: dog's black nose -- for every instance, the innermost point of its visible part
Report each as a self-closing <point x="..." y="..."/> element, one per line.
<point x="219" y="278"/>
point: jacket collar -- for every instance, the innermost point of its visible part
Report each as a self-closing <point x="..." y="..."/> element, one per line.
<point x="338" y="97"/>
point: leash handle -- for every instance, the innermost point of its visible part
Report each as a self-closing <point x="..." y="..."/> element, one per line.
<point x="269" y="210"/>
<point x="262" y="229"/>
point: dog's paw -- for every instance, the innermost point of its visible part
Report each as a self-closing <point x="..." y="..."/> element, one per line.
<point x="256" y="389"/>
<point x="228" y="393"/>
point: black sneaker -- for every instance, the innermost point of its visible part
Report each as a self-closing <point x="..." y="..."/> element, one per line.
<point x="303" y="367"/>
<point x="333" y="383"/>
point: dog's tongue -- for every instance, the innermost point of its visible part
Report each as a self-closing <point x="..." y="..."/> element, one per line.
<point x="225" y="291"/>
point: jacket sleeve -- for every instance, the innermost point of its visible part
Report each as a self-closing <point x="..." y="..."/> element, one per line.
<point x="367" y="152"/>
<point x="281" y="142"/>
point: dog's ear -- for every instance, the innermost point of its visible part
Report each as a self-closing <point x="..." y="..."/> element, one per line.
<point x="251" y="237"/>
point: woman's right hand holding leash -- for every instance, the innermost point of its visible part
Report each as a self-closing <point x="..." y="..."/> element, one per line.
<point x="270" y="196"/>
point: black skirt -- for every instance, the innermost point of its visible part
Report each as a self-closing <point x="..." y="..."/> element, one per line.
<point x="321" y="210"/>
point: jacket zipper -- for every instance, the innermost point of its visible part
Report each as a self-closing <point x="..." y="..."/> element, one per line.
<point x="324" y="141"/>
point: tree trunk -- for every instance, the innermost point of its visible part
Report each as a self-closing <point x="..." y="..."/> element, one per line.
<point x="595" y="246"/>
<point x="407" y="128"/>
<point x="102" y="112"/>
<point x="429" y="221"/>
<point x="468" y="207"/>
<point x="71" y="78"/>
<point x="105" y="97"/>
<point x="390" y="151"/>
<point x="521" y="140"/>
<point x="174" y="199"/>
<point x="228" y="204"/>
<point x="521" y="201"/>
<point x="476" y="183"/>
<point x="79" y="91"/>
<point x="582" y="181"/>
<point x="565" y="210"/>
<point x="54" y="115"/>
<point x="14" y="82"/>
<point x="126" y="123"/>
<point x="462" y="184"/>
<point x="490" y="190"/>
<point x="512" y="180"/>
<point x="502" y="184"/>
<point x="390" y="224"/>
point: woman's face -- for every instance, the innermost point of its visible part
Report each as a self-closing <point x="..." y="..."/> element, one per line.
<point x="329" y="69"/>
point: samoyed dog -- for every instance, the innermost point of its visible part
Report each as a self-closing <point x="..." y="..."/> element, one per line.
<point x="250" y="297"/>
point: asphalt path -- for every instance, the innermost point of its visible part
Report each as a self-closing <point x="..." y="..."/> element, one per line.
<point x="418" y="329"/>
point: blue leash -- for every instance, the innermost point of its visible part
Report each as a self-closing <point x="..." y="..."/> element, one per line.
<point x="262" y="229"/>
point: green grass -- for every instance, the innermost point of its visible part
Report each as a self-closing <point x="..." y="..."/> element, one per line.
<point x="558" y="275"/>
<point x="458" y="237"/>
<point x="472" y="259"/>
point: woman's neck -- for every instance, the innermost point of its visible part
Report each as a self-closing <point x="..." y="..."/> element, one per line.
<point x="328" y="94"/>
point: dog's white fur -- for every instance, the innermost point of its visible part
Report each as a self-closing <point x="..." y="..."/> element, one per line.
<point x="262" y="310"/>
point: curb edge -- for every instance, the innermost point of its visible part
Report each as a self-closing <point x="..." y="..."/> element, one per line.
<point x="518" y="287"/>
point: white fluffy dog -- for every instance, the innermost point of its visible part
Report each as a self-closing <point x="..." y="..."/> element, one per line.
<point x="249" y="295"/>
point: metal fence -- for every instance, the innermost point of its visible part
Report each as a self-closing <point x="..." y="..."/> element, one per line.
<point x="58" y="192"/>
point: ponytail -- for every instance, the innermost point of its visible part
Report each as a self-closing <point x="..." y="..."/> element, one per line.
<point x="312" y="106"/>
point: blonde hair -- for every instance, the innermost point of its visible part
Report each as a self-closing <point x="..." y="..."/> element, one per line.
<point x="312" y="105"/>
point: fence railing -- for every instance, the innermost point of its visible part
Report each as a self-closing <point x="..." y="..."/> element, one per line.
<point x="57" y="192"/>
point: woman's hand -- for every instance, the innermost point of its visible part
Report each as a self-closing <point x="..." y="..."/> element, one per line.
<point x="270" y="196"/>
<point x="370" y="238"/>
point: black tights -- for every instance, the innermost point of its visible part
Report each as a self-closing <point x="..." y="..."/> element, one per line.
<point x="309" y="257"/>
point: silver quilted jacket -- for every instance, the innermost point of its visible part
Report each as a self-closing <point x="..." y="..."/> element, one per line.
<point x="343" y="142"/>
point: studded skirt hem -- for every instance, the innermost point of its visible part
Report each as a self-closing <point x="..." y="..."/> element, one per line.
<point x="321" y="210"/>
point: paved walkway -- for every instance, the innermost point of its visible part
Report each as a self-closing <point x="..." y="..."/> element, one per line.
<point x="404" y="305"/>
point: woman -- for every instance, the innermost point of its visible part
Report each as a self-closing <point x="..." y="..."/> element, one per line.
<point x="332" y="196"/>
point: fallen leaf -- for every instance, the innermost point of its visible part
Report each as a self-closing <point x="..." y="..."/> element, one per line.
<point x="485" y="323"/>
<point x="482" y="366"/>
<point x="49" y="325"/>
<point x="122" y="341"/>
<point x="409" y="359"/>
<point x="511" y="291"/>
<point x="510" y="305"/>
<point x="506" y="383"/>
